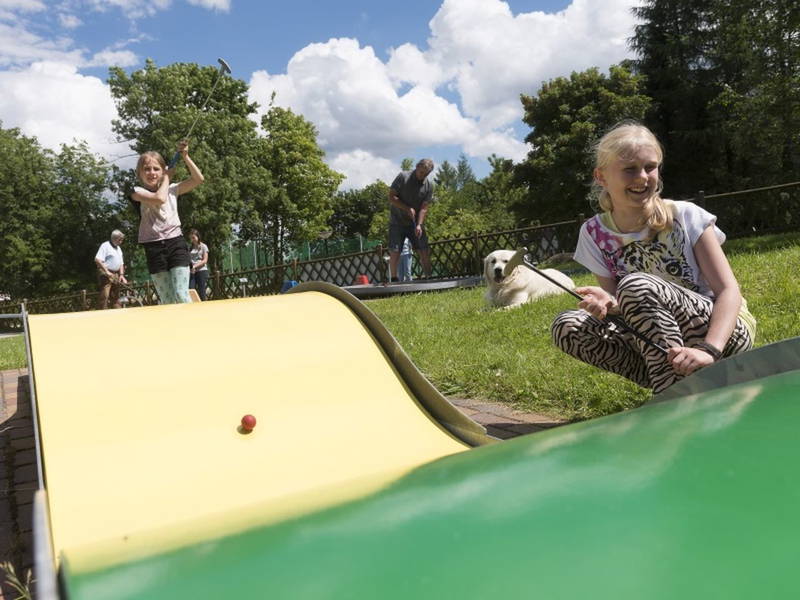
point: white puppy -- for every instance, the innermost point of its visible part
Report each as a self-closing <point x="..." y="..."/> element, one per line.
<point x="523" y="285"/>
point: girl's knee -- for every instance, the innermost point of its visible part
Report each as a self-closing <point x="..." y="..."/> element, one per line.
<point x="565" y="323"/>
<point x="638" y="285"/>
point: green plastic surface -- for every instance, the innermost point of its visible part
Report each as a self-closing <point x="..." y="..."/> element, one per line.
<point x="690" y="498"/>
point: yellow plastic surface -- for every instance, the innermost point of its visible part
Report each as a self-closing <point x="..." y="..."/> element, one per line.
<point x="139" y="414"/>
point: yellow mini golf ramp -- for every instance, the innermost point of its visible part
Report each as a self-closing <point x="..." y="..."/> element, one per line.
<point x="139" y="415"/>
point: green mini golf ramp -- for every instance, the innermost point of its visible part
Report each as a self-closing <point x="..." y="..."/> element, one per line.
<point x="696" y="497"/>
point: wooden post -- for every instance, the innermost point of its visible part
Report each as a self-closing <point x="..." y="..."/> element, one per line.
<point x="84" y="301"/>
<point x="476" y="255"/>
<point x="381" y="264"/>
<point x="216" y="287"/>
<point x="700" y="200"/>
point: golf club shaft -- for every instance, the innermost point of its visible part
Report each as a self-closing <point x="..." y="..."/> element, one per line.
<point x="177" y="155"/>
<point x="618" y="321"/>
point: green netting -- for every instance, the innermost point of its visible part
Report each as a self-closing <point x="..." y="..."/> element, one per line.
<point x="252" y="255"/>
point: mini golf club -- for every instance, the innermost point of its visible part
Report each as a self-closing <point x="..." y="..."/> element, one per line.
<point x="520" y="258"/>
<point x="223" y="68"/>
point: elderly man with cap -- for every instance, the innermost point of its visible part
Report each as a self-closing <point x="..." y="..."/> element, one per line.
<point x="409" y="197"/>
<point x="111" y="270"/>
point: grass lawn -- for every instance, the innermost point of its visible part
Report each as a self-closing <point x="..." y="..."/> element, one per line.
<point x="12" y="353"/>
<point x="471" y="351"/>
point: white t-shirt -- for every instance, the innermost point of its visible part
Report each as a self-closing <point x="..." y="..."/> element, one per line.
<point x="160" y="222"/>
<point x="110" y="256"/>
<point x="197" y="254"/>
<point x="607" y="252"/>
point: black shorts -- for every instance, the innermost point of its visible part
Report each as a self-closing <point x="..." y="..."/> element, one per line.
<point x="163" y="255"/>
<point x="399" y="233"/>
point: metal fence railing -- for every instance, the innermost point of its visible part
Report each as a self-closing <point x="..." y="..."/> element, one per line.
<point x="757" y="211"/>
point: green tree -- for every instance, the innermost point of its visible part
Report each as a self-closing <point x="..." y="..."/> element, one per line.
<point x="353" y="210"/>
<point x="567" y="116"/>
<point x="756" y="114"/>
<point x="500" y="193"/>
<point x="53" y="216"/>
<point x="406" y="164"/>
<point x="724" y="76"/>
<point x="26" y="186"/>
<point x="301" y="200"/>
<point x="446" y="177"/>
<point x="671" y="42"/>
<point x="82" y="217"/>
<point x="156" y="107"/>
<point x="464" y="173"/>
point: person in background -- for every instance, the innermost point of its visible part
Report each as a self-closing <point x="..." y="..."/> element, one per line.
<point x="111" y="270"/>
<point x="198" y="274"/>
<point x="410" y="195"/>
<point x="406" y="264"/>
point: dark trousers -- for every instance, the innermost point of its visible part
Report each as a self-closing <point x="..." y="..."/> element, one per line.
<point x="199" y="281"/>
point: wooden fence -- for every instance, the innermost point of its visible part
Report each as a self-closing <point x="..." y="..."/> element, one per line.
<point x="758" y="211"/>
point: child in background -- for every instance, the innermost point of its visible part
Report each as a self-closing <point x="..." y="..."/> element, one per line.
<point x="160" y="228"/>
<point x="406" y="265"/>
<point x="660" y="265"/>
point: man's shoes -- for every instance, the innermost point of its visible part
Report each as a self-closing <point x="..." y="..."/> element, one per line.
<point x="395" y="280"/>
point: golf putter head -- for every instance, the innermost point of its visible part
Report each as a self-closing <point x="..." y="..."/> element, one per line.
<point x="515" y="261"/>
<point x="223" y="66"/>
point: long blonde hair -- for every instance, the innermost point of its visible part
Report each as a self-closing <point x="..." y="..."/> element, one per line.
<point x="623" y="140"/>
<point x="143" y="157"/>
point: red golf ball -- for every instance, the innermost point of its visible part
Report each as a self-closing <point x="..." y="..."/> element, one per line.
<point x="248" y="422"/>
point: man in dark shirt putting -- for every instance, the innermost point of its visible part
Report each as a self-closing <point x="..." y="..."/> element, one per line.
<point x="409" y="197"/>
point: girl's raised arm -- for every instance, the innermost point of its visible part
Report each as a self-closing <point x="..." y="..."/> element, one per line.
<point x="195" y="176"/>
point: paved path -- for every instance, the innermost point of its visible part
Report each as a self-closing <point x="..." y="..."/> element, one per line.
<point x="501" y="421"/>
<point x="18" y="460"/>
<point x="17" y="475"/>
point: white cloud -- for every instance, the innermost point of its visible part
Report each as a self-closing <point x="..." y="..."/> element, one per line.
<point x="494" y="55"/>
<point x="21" y="5"/>
<point x="18" y="47"/>
<point x="132" y="9"/>
<point x="57" y="105"/>
<point x="461" y="91"/>
<point x="220" y="5"/>
<point x="119" y="58"/>
<point x="355" y="102"/>
<point x="69" y="21"/>
<point x="362" y="168"/>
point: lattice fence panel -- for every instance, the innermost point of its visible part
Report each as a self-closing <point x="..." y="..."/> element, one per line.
<point x="454" y="258"/>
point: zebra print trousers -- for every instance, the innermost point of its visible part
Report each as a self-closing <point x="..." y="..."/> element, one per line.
<point x="668" y="314"/>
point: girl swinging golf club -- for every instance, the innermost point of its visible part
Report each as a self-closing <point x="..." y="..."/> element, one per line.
<point x="160" y="228"/>
<point x="659" y="265"/>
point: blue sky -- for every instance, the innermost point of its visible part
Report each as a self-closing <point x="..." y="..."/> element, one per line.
<point x="380" y="80"/>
